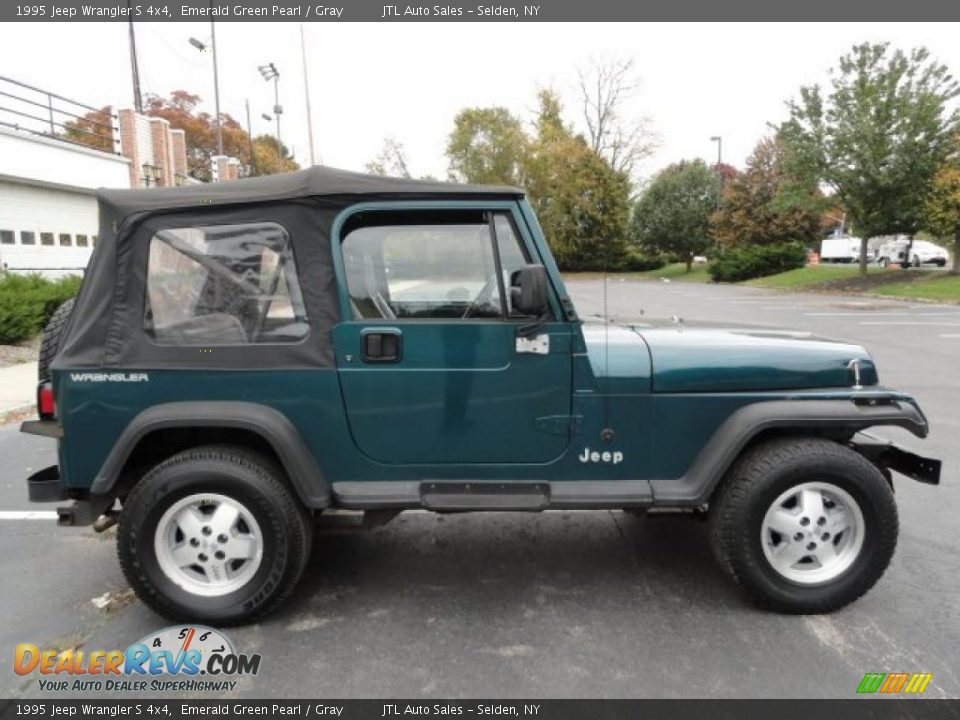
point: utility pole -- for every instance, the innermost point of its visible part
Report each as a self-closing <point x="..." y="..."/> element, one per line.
<point x="253" y="160"/>
<point x="202" y="47"/>
<point x="216" y="84"/>
<point x="306" y="92"/>
<point x="134" y="69"/>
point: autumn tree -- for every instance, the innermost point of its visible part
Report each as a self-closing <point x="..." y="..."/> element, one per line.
<point x="94" y="129"/>
<point x="266" y="159"/>
<point x="392" y="160"/>
<point x="877" y="135"/>
<point x="942" y="209"/>
<point x="487" y="146"/>
<point x="615" y="131"/>
<point x="182" y="110"/>
<point x="673" y="213"/>
<point x="765" y="204"/>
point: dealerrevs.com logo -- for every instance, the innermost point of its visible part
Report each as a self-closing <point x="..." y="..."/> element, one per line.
<point x="181" y="658"/>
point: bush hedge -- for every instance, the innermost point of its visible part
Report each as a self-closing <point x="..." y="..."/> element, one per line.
<point x="635" y="260"/>
<point x="28" y="301"/>
<point x="748" y="262"/>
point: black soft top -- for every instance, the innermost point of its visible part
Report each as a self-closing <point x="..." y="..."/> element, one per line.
<point x="316" y="181"/>
<point x="106" y="327"/>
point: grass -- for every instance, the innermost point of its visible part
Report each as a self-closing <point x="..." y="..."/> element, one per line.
<point x="889" y="282"/>
<point x="676" y="272"/>
<point x="809" y="275"/>
<point x="944" y="287"/>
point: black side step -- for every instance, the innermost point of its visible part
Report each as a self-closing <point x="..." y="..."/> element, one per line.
<point x="467" y="496"/>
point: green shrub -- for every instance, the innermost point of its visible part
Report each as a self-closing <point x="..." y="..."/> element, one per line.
<point x="635" y="260"/>
<point x="28" y="301"/>
<point x="748" y="262"/>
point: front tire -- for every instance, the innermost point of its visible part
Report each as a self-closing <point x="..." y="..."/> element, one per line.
<point x="213" y="535"/>
<point x="804" y="525"/>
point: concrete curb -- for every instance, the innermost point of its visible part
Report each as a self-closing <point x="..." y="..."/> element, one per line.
<point x="17" y="414"/>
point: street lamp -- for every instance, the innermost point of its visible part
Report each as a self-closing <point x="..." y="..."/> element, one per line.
<point x="719" y="141"/>
<point x="270" y="72"/>
<point x="202" y="47"/>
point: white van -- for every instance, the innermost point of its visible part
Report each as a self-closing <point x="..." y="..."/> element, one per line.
<point x="840" y="250"/>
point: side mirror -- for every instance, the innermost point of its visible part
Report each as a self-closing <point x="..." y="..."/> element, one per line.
<point x="528" y="291"/>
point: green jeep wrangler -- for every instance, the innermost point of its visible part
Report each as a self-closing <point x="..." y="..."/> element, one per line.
<point x="243" y="357"/>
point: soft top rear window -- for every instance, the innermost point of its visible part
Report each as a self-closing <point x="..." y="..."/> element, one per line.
<point x="223" y="285"/>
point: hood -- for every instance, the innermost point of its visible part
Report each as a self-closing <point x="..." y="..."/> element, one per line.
<point x="732" y="360"/>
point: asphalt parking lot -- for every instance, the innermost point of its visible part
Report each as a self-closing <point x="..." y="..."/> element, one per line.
<point x="592" y="604"/>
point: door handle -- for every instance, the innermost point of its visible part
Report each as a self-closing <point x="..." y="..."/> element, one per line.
<point x="382" y="345"/>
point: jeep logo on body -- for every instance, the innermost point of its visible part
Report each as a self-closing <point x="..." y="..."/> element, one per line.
<point x="594" y="456"/>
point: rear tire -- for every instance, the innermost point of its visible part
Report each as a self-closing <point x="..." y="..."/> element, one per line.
<point x="232" y="508"/>
<point x="52" y="335"/>
<point x="785" y="496"/>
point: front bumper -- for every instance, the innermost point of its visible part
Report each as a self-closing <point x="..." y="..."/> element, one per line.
<point x="891" y="456"/>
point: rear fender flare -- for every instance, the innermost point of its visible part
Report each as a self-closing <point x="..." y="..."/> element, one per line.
<point x="270" y="424"/>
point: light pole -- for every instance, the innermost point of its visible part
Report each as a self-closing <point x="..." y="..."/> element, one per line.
<point x="719" y="141"/>
<point x="135" y="68"/>
<point x="253" y="161"/>
<point x="202" y="47"/>
<point x="306" y="93"/>
<point x="270" y="72"/>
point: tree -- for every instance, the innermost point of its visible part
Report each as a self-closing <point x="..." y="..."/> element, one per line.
<point x="266" y="159"/>
<point x="765" y="205"/>
<point x="673" y="214"/>
<point x="181" y="109"/>
<point x="582" y="202"/>
<point x="613" y="132"/>
<point x="392" y="160"/>
<point x="94" y="129"/>
<point x="487" y="146"/>
<point x="942" y="209"/>
<point x="877" y="136"/>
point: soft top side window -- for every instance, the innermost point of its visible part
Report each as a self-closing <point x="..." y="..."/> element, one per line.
<point x="223" y="285"/>
<point x="429" y="264"/>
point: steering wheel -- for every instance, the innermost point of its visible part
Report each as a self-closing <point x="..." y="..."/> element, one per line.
<point x="484" y="296"/>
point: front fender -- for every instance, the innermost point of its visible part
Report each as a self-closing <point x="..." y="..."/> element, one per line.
<point x="840" y="417"/>
<point x="270" y="424"/>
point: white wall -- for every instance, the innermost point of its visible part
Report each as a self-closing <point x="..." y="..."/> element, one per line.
<point x="32" y="157"/>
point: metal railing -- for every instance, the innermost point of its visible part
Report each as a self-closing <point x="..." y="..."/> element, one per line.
<point x="36" y="111"/>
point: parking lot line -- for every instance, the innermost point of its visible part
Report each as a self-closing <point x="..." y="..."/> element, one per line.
<point x="28" y="514"/>
<point x="862" y="313"/>
<point x="909" y="322"/>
